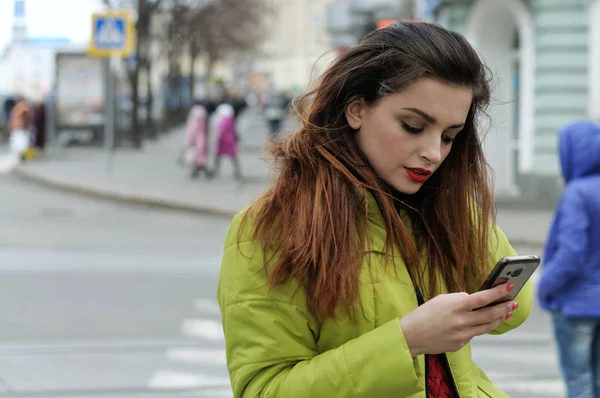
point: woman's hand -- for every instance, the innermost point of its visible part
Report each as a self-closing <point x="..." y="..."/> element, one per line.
<point x="448" y="322"/>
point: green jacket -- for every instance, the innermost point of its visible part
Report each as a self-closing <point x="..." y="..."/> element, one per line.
<point x="276" y="349"/>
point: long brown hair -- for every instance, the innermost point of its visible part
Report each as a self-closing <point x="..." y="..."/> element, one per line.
<point x="314" y="217"/>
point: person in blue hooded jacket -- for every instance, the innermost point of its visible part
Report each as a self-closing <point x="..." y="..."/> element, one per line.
<point x="570" y="283"/>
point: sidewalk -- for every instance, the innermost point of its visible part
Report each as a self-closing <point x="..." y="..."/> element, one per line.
<point x="152" y="177"/>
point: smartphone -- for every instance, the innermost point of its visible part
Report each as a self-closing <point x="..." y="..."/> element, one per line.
<point x="511" y="269"/>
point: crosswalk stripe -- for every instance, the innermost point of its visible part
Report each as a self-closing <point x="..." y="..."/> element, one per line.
<point x="547" y="388"/>
<point x="503" y="375"/>
<point x="166" y="380"/>
<point x="222" y="393"/>
<point x="197" y="355"/>
<point x="517" y="335"/>
<point x="207" y="306"/>
<point x="205" y="329"/>
<point x="514" y="355"/>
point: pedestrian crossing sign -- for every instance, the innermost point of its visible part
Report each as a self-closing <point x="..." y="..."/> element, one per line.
<point x="113" y="34"/>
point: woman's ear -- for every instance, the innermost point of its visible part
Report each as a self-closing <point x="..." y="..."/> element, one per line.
<point x="355" y="112"/>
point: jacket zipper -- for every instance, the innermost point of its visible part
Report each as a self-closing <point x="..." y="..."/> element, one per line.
<point x="454" y="387"/>
<point x="420" y="301"/>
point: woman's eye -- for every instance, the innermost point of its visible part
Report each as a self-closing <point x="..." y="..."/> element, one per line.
<point x="411" y="129"/>
<point x="447" y="140"/>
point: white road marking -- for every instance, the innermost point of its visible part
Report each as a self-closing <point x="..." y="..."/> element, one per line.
<point x="514" y="355"/>
<point x="197" y="355"/>
<point x="547" y="388"/>
<point x="517" y="335"/>
<point x="221" y="393"/>
<point x="207" y="306"/>
<point x="204" y="329"/>
<point x="165" y="380"/>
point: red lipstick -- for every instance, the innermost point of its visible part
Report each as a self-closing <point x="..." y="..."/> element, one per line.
<point x="418" y="175"/>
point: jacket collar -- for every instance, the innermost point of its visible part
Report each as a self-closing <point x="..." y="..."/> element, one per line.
<point x="374" y="215"/>
<point x="376" y="225"/>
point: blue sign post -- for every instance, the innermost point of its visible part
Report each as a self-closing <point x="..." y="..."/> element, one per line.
<point x="110" y="33"/>
<point x="113" y="37"/>
<point x="113" y="34"/>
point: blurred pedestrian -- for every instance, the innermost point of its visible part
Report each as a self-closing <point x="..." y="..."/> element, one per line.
<point x="570" y="283"/>
<point x="226" y="140"/>
<point x="237" y="101"/>
<point x="239" y="104"/>
<point x="357" y="273"/>
<point x="39" y="126"/>
<point x="196" y="139"/>
<point x="275" y="110"/>
<point x="20" y="123"/>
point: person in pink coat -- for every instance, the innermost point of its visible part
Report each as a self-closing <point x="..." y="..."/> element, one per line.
<point x="227" y="144"/>
<point x="196" y="139"/>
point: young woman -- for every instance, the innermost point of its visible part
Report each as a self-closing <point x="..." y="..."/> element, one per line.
<point x="357" y="273"/>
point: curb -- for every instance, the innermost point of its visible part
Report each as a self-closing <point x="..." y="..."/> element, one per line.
<point x="146" y="201"/>
<point x="119" y="197"/>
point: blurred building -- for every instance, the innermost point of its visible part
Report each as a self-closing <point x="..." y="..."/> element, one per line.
<point x="545" y="58"/>
<point x="298" y="46"/>
<point x="31" y="65"/>
<point x="27" y="64"/>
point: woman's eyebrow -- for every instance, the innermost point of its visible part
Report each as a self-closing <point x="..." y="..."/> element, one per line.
<point x="430" y="119"/>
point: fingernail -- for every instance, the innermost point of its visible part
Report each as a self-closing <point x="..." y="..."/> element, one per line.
<point x="515" y="305"/>
<point x="508" y="315"/>
<point x="510" y="287"/>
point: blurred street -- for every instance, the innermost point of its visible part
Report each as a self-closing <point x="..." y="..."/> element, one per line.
<point x="98" y="298"/>
<point x="110" y="299"/>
